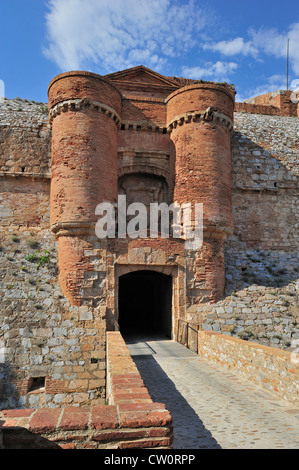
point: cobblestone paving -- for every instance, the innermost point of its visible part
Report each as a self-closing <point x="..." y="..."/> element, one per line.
<point x="212" y="408"/>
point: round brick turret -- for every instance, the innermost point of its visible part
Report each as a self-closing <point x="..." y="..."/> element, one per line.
<point x="200" y="120"/>
<point x="84" y="110"/>
<point x="200" y="123"/>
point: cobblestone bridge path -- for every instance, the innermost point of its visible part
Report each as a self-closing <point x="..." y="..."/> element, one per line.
<point x="212" y="408"/>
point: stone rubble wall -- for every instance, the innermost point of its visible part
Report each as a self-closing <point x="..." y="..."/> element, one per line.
<point x="25" y="137"/>
<point x="261" y="299"/>
<point x="95" y="427"/>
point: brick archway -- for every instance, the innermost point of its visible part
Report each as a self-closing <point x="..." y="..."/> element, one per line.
<point x="171" y="271"/>
<point x="145" y="303"/>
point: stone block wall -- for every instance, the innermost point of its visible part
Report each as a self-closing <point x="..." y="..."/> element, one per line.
<point x="25" y="140"/>
<point x="130" y="421"/>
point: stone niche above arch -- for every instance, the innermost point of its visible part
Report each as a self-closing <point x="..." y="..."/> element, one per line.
<point x="150" y="162"/>
<point x="143" y="188"/>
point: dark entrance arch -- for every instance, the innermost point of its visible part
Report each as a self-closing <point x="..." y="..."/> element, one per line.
<point x="145" y="300"/>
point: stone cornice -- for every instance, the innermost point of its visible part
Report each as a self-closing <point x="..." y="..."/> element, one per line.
<point x="196" y="116"/>
<point x="19" y="174"/>
<point x="82" y="104"/>
<point x="185" y="118"/>
<point x="72" y="228"/>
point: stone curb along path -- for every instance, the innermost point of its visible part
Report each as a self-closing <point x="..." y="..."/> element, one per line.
<point x="210" y="407"/>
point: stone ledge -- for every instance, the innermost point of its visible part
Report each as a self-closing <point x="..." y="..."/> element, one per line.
<point x="17" y="174"/>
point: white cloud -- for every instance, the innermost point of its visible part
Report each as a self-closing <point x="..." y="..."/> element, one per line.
<point x="219" y="71"/>
<point x="263" y="42"/>
<point x="274" y="43"/>
<point x="117" y="34"/>
<point x="233" y="47"/>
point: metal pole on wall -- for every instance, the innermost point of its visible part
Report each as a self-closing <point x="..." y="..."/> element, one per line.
<point x="288" y="49"/>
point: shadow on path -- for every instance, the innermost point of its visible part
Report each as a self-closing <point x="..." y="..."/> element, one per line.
<point x="189" y="430"/>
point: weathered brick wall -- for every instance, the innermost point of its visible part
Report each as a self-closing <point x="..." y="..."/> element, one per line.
<point x="96" y="427"/>
<point x="42" y="335"/>
<point x="256" y="109"/>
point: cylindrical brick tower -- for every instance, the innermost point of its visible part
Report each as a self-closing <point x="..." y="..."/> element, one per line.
<point x="200" y="122"/>
<point x="84" y="111"/>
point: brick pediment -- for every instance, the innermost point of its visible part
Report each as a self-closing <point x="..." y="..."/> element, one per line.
<point x="142" y="79"/>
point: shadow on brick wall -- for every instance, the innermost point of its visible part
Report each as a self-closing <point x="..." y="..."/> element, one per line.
<point x="8" y="394"/>
<point x="21" y="438"/>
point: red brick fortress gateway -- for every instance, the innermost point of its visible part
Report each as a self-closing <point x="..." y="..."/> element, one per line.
<point x="154" y="139"/>
<point x="149" y="138"/>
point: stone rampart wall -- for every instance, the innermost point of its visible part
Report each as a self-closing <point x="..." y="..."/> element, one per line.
<point x="282" y="101"/>
<point x="43" y="336"/>
<point x="261" y="298"/>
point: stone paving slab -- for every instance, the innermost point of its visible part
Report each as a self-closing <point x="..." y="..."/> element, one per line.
<point x="212" y="408"/>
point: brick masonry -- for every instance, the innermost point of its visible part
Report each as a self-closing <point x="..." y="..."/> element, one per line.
<point x="97" y="427"/>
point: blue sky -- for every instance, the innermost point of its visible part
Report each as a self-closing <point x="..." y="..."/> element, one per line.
<point x="237" y="41"/>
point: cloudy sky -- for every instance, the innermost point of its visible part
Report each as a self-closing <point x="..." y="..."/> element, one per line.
<point x="237" y="41"/>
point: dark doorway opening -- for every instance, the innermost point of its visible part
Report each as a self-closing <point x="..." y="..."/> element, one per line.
<point x="145" y="299"/>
